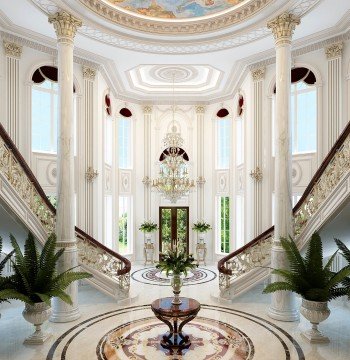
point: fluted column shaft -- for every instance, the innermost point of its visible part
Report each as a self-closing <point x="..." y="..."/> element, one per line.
<point x="65" y="26"/>
<point x="147" y="113"/>
<point x="282" y="302"/>
<point x="200" y="111"/>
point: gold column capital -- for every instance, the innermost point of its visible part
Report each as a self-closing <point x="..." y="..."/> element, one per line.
<point x="65" y="25"/>
<point x="89" y="73"/>
<point x="12" y="49"/>
<point x="200" y="109"/>
<point x="334" y="51"/>
<point x="147" y="109"/>
<point x="258" y="74"/>
<point x="283" y="27"/>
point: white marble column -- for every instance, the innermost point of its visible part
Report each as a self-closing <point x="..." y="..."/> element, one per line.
<point x="200" y="111"/>
<point x="147" y="117"/>
<point x="13" y="54"/>
<point x="334" y="105"/>
<point x="257" y="175"/>
<point x="282" y="302"/>
<point x="89" y="75"/>
<point x="65" y="26"/>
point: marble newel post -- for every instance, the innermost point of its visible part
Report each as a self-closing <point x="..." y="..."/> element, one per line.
<point x="65" y="26"/>
<point x="282" y="302"/>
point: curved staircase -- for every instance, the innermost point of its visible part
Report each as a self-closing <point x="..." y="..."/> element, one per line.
<point x="326" y="194"/>
<point x="22" y="193"/>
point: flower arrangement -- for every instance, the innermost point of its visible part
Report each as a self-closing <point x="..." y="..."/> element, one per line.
<point x="148" y="227"/>
<point x="201" y="227"/>
<point x="176" y="261"/>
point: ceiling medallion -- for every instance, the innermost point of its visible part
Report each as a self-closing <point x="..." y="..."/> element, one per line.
<point x="181" y="18"/>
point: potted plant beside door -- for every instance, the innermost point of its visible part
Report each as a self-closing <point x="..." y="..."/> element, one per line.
<point x="315" y="282"/>
<point x="148" y="227"/>
<point x="35" y="281"/>
<point x="201" y="228"/>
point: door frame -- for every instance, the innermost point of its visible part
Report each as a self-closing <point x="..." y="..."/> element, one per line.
<point x="174" y="228"/>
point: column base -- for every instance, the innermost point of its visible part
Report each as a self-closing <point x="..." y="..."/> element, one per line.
<point x="66" y="316"/>
<point x="283" y="315"/>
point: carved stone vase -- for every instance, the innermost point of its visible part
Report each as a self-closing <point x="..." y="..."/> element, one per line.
<point x="37" y="314"/>
<point x="176" y="283"/>
<point x="315" y="312"/>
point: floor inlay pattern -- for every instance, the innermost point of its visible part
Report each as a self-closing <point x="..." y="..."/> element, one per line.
<point x="217" y="334"/>
<point x="153" y="276"/>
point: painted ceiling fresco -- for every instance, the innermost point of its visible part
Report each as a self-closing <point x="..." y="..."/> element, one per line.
<point x="175" y="9"/>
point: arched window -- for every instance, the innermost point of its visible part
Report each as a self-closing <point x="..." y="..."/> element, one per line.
<point x="125" y="142"/>
<point x="223" y="126"/>
<point x="45" y="109"/>
<point x="303" y="111"/>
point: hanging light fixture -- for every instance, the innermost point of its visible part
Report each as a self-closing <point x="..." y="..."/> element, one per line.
<point x="173" y="182"/>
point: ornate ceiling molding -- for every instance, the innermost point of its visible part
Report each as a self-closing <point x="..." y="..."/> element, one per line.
<point x="164" y="46"/>
<point x="234" y="15"/>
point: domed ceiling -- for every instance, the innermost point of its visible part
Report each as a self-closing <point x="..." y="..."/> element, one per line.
<point x="175" y="9"/>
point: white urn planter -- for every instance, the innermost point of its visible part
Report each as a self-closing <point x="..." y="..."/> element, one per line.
<point x="37" y="314"/>
<point x="315" y="312"/>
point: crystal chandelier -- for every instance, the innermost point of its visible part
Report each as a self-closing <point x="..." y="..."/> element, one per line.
<point x="173" y="182"/>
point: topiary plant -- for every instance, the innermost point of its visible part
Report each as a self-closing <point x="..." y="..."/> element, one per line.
<point x="35" y="277"/>
<point x="307" y="276"/>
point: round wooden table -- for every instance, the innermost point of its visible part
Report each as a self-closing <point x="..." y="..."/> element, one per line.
<point x="175" y="316"/>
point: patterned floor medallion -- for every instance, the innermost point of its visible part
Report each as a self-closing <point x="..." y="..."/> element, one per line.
<point x="153" y="276"/>
<point x="210" y="339"/>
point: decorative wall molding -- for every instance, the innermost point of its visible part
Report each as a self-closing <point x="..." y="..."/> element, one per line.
<point x="222" y="182"/>
<point x="200" y="109"/>
<point x="125" y="182"/>
<point x="147" y="109"/>
<point x="334" y="51"/>
<point x="12" y="49"/>
<point x="65" y="25"/>
<point x="283" y="27"/>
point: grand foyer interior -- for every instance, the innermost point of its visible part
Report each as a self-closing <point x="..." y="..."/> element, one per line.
<point x="89" y="88"/>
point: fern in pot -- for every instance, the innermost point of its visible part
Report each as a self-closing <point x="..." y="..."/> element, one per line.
<point x="316" y="283"/>
<point x="176" y="262"/>
<point x="36" y="281"/>
<point x="201" y="228"/>
<point x="148" y="227"/>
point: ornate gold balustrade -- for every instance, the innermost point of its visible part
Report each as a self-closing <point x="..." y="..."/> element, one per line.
<point x="257" y="252"/>
<point x="91" y="253"/>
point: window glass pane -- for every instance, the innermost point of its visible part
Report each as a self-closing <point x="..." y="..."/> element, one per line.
<point x="224" y="223"/>
<point x="239" y="221"/>
<point x="125" y="225"/>
<point x="306" y="122"/>
<point x="44" y="117"/>
<point x="124" y="142"/>
<point x="223" y="143"/>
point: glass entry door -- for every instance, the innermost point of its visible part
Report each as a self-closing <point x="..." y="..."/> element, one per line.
<point x="173" y="227"/>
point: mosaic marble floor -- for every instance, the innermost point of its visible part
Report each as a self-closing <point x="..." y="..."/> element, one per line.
<point x="110" y="331"/>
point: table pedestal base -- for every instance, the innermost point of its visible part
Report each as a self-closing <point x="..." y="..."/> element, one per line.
<point x="175" y="342"/>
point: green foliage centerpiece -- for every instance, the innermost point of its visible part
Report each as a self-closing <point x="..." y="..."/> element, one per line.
<point x="36" y="281"/>
<point x="315" y="282"/>
<point x="201" y="227"/>
<point x="176" y="262"/>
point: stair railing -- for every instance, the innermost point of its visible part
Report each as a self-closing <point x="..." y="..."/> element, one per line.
<point x="258" y="251"/>
<point x="91" y="253"/>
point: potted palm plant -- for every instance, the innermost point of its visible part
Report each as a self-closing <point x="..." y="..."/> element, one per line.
<point x="201" y="228"/>
<point x="315" y="282"/>
<point x="4" y="280"/>
<point x="35" y="281"/>
<point x="345" y="251"/>
<point x="176" y="262"/>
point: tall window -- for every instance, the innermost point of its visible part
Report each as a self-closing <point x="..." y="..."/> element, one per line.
<point x="44" y="116"/>
<point x="124" y="224"/>
<point x="304" y="117"/>
<point x="303" y="112"/>
<point x="125" y="141"/>
<point x="223" y="223"/>
<point x="223" y="143"/>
